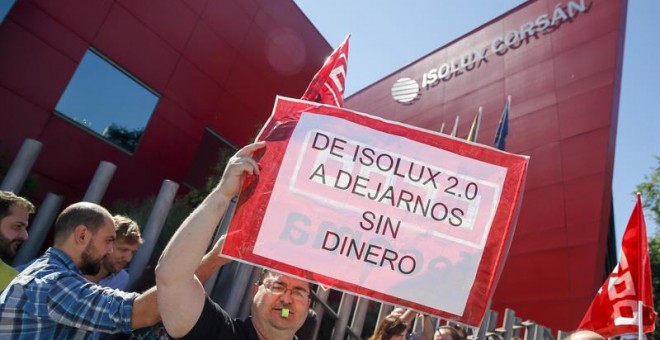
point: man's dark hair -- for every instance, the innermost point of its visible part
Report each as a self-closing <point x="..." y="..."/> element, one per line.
<point x="9" y="199"/>
<point x="88" y="214"/>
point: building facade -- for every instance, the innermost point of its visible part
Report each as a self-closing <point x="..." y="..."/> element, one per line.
<point x="205" y="73"/>
<point x="154" y="87"/>
<point x="560" y="62"/>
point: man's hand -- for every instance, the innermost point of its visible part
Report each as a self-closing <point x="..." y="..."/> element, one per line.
<point x="217" y="247"/>
<point x="240" y="164"/>
<point x="212" y="261"/>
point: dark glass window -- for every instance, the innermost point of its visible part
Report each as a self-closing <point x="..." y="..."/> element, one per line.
<point x="5" y="7"/>
<point x="209" y="160"/>
<point x="105" y="99"/>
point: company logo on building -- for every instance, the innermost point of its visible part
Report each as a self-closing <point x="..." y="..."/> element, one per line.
<point x="407" y="90"/>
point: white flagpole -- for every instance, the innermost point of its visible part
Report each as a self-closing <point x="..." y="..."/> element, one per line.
<point x="640" y="320"/>
<point x="453" y="132"/>
<point x="640" y="276"/>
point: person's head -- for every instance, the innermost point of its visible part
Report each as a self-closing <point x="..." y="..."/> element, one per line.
<point x="127" y="243"/>
<point x="14" y="214"/>
<point x="392" y="327"/>
<point x="585" y="335"/>
<point x="274" y="292"/>
<point x="446" y="333"/>
<point x="86" y="232"/>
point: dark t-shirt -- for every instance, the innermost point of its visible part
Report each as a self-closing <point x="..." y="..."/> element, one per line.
<point x="215" y="323"/>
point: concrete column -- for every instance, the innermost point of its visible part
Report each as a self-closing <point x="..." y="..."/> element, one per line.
<point x="39" y="229"/>
<point x="151" y="230"/>
<point x="99" y="183"/>
<point x="244" y="311"/>
<point x="21" y="166"/>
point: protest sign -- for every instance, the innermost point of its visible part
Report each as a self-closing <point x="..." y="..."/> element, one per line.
<point x="379" y="209"/>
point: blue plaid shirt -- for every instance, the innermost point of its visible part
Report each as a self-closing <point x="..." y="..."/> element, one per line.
<point x="51" y="299"/>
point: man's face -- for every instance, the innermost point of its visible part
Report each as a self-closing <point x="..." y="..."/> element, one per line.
<point x="121" y="256"/>
<point x="99" y="246"/>
<point x="13" y="231"/>
<point x="267" y="306"/>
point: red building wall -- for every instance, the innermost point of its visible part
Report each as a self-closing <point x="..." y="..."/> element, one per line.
<point x="564" y="83"/>
<point x="216" y="64"/>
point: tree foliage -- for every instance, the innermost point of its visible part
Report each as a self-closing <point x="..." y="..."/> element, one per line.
<point x="650" y="191"/>
<point x="123" y="137"/>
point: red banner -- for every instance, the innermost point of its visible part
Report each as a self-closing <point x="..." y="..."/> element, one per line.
<point x="615" y="309"/>
<point x="327" y="86"/>
<point x="379" y="209"/>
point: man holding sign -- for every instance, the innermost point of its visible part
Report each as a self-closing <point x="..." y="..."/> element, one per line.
<point x="379" y="209"/>
<point x="280" y="303"/>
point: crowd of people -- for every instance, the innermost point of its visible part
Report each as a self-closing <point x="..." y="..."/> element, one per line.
<point x="77" y="288"/>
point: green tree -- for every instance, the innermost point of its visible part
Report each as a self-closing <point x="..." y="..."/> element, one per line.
<point x="123" y="137"/>
<point x="650" y="190"/>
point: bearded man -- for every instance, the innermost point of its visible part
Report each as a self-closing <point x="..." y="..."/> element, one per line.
<point x="113" y="273"/>
<point x="51" y="298"/>
<point x="14" y="214"/>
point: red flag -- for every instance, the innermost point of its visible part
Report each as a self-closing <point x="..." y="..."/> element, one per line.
<point x="327" y="86"/>
<point x="614" y="310"/>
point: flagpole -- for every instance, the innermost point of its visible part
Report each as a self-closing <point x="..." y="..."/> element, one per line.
<point x="453" y="131"/>
<point x="640" y="321"/>
<point x="474" y="129"/>
<point x="640" y="272"/>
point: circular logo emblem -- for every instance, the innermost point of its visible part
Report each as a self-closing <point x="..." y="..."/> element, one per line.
<point x="405" y="90"/>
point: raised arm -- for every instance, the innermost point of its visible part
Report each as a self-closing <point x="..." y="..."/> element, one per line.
<point x="145" y="307"/>
<point x="408" y="317"/>
<point x="180" y="293"/>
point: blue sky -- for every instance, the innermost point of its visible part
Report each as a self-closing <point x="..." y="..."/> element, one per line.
<point x="388" y="35"/>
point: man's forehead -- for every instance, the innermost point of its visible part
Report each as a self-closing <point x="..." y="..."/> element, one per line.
<point x="19" y="211"/>
<point x="108" y="229"/>
<point x="123" y="243"/>
<point x="289" y="280"/>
